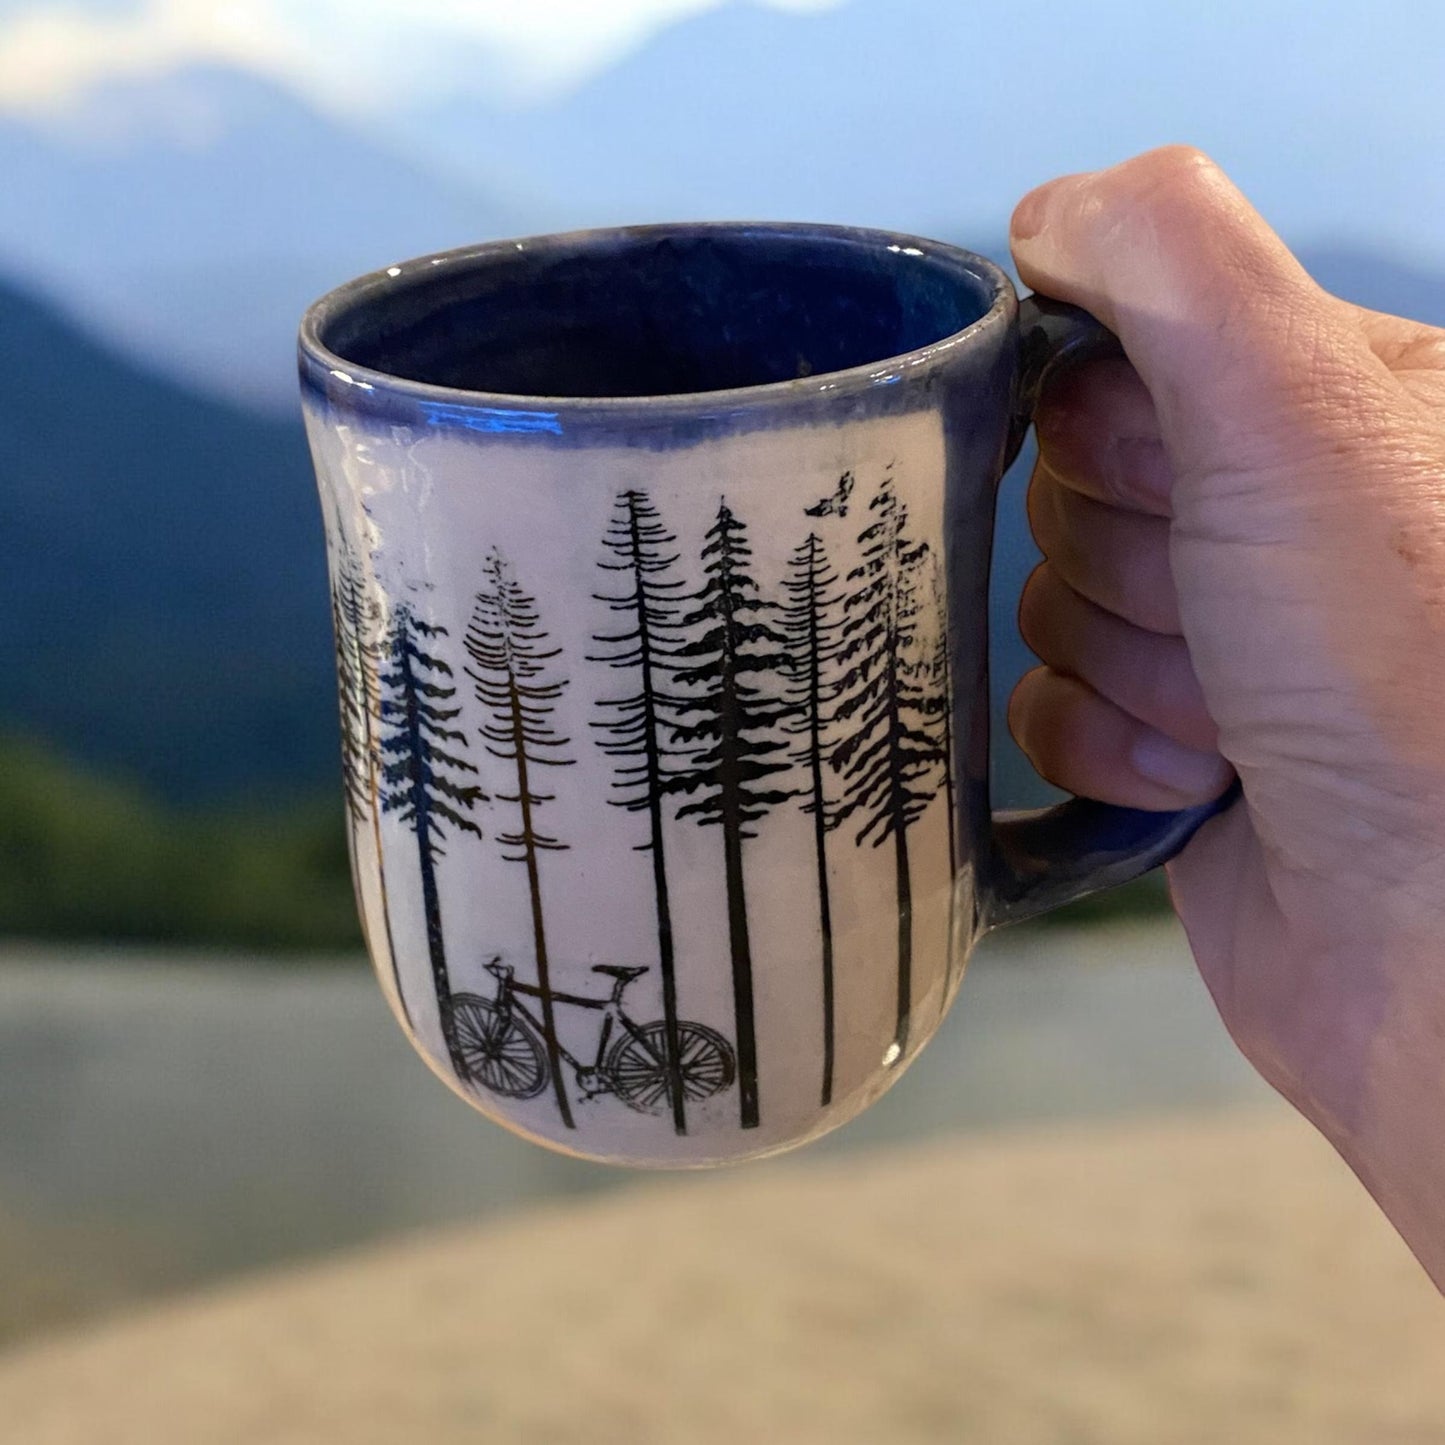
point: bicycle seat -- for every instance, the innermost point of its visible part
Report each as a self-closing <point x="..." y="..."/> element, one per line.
<point x="618" y="970"/>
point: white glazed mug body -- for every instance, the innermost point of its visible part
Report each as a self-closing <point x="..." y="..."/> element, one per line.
<point x="659" y="566"/>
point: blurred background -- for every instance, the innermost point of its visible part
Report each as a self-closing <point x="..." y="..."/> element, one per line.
<point x="178" y="180"/>
<point x="195" y="1076"/>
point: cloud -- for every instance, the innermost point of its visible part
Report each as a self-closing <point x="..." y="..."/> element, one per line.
<point x="348" y="56"/>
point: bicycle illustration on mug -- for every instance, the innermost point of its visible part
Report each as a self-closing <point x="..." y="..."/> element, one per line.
<point x="502" y="1042"/>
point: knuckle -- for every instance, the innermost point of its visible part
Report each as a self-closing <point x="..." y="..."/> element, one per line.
<point x="1046" y="723"/>
<point x="1018" y="709"/>
<point x="1040" y="506"/>
<point x="1030" y="609"/>
<point x="1072" y="549"/>
<point x="1170" y="161"/>
<point x="1170" y="186"/>
<point x="1172" y="171"/>
<point x="1025" y="709"/>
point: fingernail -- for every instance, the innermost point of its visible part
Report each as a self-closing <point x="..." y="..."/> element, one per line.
<point x="1184" y="770"/>
<point x="1029" y="215"/>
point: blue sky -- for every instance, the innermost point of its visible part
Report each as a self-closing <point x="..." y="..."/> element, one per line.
<point x="348" y="55"/>
<point x="1325" y="110"/>
<point x="182" y="176"/>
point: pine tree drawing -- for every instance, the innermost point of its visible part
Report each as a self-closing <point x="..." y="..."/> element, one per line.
<point x="509" y="669"/>
<point x="422" y="774"/>
<point x="812" y="626"/>
<point x="938" y="679"/>
<point x="632" y="727"/>
<point x="348" y="624"/>
<point x="889" y="755"/>
<point x="732" y="664"/>
<point x="355" y="619"/>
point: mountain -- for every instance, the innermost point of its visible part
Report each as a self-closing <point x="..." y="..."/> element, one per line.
<point x="909" y="113"/>
<point x="163" y="605"/>
<point x="190" y="218"/>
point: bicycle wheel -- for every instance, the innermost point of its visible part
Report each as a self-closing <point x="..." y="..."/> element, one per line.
<point x="637" y="1065"/>
<point x="500" y="1052"/>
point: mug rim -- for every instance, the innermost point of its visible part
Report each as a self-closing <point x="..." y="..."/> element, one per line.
<point x="330" y="373"/>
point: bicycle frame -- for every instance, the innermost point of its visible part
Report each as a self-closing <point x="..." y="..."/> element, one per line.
<point x="610" y="1008"/>
<point x="506" y="1041"/>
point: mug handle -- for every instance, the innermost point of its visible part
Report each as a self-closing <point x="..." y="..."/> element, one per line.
<point x="1041" y="858"/>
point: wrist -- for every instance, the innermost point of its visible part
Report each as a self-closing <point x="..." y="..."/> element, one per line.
<point x="1373" y="1079"/>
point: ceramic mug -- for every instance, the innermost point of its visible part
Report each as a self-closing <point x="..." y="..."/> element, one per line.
<point x="659" y="564"/>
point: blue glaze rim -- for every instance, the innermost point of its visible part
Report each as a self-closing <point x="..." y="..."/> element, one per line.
<point x="870" y="389"/>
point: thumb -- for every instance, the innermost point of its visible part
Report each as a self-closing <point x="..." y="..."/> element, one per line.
<point x="1240" y="350"/>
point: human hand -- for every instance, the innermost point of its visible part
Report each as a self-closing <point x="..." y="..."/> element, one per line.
<point x="1244" y="533"/>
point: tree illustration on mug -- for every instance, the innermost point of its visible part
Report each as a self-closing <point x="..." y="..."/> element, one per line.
<point x="510" y="654"/>
<point x="355" y="675"/>
<point x="356" y="624"/>
<point x="889" y="754"/>
<point x="936" y="673"/>
<point x="633" y="728"/>
<point x="812" y="624"/>
<point x="422" y="776"/>
<point x="730" y="715"/>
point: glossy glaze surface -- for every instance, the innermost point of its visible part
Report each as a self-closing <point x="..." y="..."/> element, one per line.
<point x="665" y="716"/>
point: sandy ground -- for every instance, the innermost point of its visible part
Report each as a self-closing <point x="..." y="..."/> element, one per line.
<point x="1079" y="1218"/>
<point x="1104" y="1282"/>
<point x="166" y="1123"/>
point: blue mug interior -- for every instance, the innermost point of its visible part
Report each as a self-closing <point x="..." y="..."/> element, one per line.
<point x="658" y="311"/>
